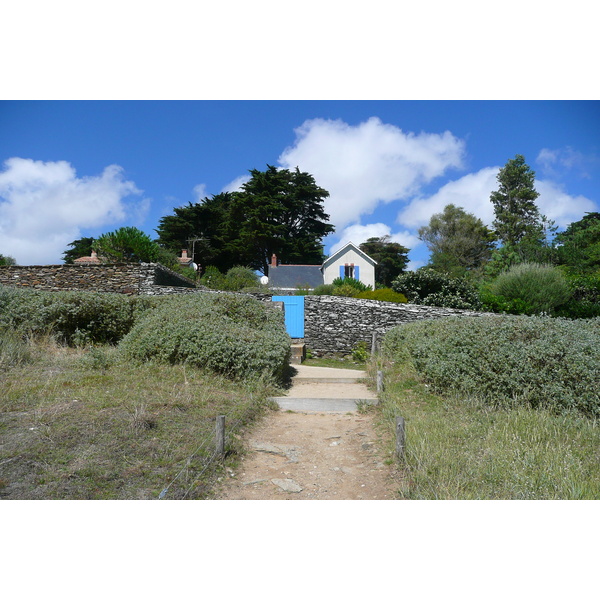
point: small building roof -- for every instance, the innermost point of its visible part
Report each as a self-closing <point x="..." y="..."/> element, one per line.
<point x="88" y="260"/>
<point x="291" y="277"/>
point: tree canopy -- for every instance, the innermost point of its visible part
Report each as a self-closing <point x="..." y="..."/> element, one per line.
<point x="517" y="215"/>
<point x="391" y="258"/>
<point x="458" y="241"/>
<point x="127" y="244"/>
<point x="7" y="261"/>
<point x="578" y="246"/>
<point x="79" y="249"/>
<point x="277" y="211"/>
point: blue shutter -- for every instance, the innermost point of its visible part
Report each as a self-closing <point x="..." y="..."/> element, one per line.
<point x="356" y="273"/>
<point x="342" y="271"/>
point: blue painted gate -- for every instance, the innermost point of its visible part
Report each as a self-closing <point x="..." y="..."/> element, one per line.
<point x="294" y="314"/>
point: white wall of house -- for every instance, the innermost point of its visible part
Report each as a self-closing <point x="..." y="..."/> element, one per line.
<point x="351" y="256"/>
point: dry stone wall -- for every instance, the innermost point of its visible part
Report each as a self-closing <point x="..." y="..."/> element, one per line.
<point x="334" y="324"/>
<point x="131" y="279"/>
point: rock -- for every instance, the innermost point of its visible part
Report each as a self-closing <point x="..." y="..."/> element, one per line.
<point x="287" y="485"/>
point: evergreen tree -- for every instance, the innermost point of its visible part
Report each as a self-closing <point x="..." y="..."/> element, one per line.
<point x="79" y="248"/>
<point x="126" y="244"/>
<point x="391" y="258"/>
<point x="517" y="215"/>
<point x="277" y="211"/>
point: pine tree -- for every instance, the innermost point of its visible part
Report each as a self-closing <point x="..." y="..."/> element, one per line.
<point x="517" y="215"/>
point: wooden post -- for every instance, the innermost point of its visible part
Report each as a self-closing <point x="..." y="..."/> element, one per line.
<point x="379" y="381"/>
<point x="400" y="437"/>
<point x="374" y="343"/>
<point x="220" y="435"/>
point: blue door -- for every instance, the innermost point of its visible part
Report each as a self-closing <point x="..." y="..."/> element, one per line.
<point x="294" y="314"/>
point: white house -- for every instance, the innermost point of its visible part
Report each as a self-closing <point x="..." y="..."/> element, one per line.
<point x="350" y="261"/>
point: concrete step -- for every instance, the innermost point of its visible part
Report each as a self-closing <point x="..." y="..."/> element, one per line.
<point x="342" y="405"/>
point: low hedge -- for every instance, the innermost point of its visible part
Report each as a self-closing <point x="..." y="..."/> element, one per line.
<point x="73" y="317"/>
<point x="507" y="360"/>
<point x="227" y="333"/>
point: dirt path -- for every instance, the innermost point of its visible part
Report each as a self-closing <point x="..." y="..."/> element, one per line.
<point x="312" y="456"/>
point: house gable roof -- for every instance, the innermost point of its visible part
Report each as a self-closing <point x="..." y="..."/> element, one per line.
<point x="294" y="276"/>
<point x="344" y="249"/>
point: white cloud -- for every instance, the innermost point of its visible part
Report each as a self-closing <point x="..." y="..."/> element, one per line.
<point x="199" y="192"/>
<point x="357" y="234"/>
<point x="44" y="206"/>
<point x="368" y="164"/>
<point x="236" y="184"/>
<point x="471" y="192"/>
<point x="555" y="163"/>
<point x="559" y="206"/>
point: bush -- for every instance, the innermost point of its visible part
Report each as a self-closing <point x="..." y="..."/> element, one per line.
<point x="507" y="360"/>
<point x="542" y="287"/>
<point x="74" y="317"/>
<point x="351" y="282"/>
<point x="235" y="280"/>
<point x="383" y="295"/>
<point x="433" y="288"/>
<point x="585" y="299"/>
<point x="226" y="333"/>
<point x="325" y="289"/>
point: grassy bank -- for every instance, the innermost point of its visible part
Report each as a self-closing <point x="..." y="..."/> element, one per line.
<point x="462" y="447"/>
<point x="85" y="424"/>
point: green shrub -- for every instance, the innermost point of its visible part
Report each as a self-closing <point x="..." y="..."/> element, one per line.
<point x="212" y="278"/>
<point x="325" y="289"/>
<point x="74" y="317"/>
<point x="535" y="361"/>
<point x="235" y="280"/>
<point x="499" y="304"/>
<point x="585" y="299"/>
<point x="351" y="282"/>
<point x="433" y="288"/>
<point x="542" y="287"/>
<point x="346" y="290"/>
<point x="226" y="333"/>
<point x="383" y="295"/>
<point x="360" y="352"/>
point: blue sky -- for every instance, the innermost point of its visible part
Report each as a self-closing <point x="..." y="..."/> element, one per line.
<point x="80" y="168"/>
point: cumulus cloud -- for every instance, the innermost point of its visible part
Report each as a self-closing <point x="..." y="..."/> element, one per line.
<point x="372" y="163"/>
<point x="236" y="184"/>
<point x="472" y="192"/>
<point x="200" y="192"/>
<point x="557" y="162"/>
<point x="357" y="234"/>
<point x="44" y="206"/>
<point x="559" y="206"/>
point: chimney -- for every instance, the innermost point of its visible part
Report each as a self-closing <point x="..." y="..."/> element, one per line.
<point x="184" y="254"/>
<point x="94" y="254"/>
<point x="274" y="260"/>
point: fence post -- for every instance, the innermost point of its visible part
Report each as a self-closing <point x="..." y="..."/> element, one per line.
<point x="400" y="437"/>
<point x="220" y="435"/>
<point x="373" y="343"/>
<point x="379" y="381"/>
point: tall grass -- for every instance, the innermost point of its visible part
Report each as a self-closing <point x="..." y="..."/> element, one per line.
<point x="498" y="408"/>
<point x="84" y="424"/>
<point x="460" y="449"/>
